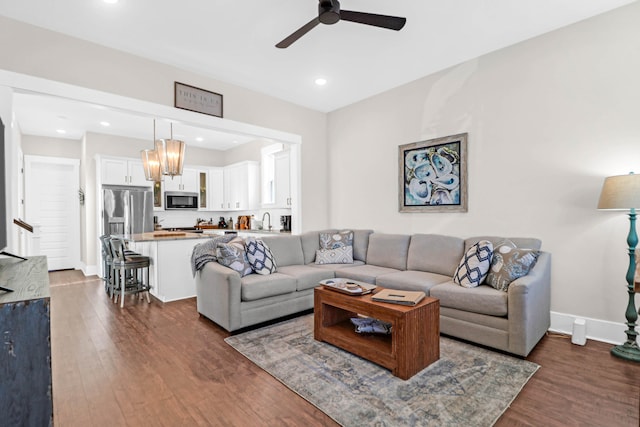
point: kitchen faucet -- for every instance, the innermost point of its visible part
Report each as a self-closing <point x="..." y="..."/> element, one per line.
<point x="267" y="213"/>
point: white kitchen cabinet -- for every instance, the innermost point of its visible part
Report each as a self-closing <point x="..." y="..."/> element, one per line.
<point x="203" y="190"/>
<point x="241" y="186"/>
<point x="189" y="181"/>
<point x="282" y="179"/>
<point x="122" y="171"/>
<point x="216" y="189"/>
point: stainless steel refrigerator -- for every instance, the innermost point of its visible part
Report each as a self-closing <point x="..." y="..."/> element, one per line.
<point x="127" y="210"/>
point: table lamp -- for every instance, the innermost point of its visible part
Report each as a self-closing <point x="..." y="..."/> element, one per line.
<point x="623" y="192"/>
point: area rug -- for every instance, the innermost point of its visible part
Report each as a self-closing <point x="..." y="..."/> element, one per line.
<point x="467" y="386"/>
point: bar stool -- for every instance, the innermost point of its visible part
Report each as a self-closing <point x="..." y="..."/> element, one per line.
<point x="107" y="267"/>
<point x="107" y="263"/>
<point x="130" y="272"/>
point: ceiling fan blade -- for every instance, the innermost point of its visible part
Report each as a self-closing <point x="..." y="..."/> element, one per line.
<point x="298" y="33"/>
<point x="384" y="21"/>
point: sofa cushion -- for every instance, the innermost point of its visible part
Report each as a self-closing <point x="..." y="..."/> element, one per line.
<point x="341" y="255"/>
<point x="287" y="250"/>
<point x="364" y="273"/>
<point x="482" y="299"/>
<point x="336" y="240"/>
<point x="260" y="257"/>
<point x="360" y="244"/>
<point x="334" y="267"/>
<point x="234" y="256"/>
<point x="510" y="263"/>
<point x="474" y="265"/>
<point x="435" y="253"/>
<point x="411" y="280"/>
<point x="256" y="286"/>
<point x="521" y="242"/>
<point x="388" y="250"/>
<point x="306" y="276"/>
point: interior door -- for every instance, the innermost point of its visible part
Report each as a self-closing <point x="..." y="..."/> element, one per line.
<point x="52" y="207"/>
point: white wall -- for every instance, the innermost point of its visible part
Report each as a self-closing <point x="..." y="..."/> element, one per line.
<point x="547" y="119"/>
<point x="51" y="147"/>
<point x="12" y="155"/>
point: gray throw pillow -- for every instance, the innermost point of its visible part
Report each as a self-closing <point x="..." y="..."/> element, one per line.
<point x="336" y="240"/>
<point x="206" y="252"/>
<point x="510" y="263"/>
<point x="234" y="256"/>
<point x="343" y="255"/>
<point x="260" y="257"/>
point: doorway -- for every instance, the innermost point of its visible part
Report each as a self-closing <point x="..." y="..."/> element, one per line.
<point x="52" y="207"/>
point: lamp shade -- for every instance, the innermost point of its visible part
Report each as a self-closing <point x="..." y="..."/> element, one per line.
<point x="151" y="165"/>
<point x="171" y="156"/>
<point x="620" y="192"/>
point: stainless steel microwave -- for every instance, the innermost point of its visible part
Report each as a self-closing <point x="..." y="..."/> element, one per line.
<point x="181" y="200"/>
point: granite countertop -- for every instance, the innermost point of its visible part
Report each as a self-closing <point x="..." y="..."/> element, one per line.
<point x="264" y="231"/>
<point x="218" y="231"/>
<point x="157" y="236"/>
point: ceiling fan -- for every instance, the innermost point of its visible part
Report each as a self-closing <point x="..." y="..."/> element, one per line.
<point x="329" y="13"/>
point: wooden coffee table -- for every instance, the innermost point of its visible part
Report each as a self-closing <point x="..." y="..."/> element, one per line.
<point x="412" y="346"/>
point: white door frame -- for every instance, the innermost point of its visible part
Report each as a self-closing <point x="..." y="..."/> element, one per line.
<point x="29" y="160"/>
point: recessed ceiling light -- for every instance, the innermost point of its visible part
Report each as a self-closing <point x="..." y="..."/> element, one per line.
<point x="105" y="124"/>
<point x="61" y="131"/>
<point x="321" y="81"/>
<point x="110" y="1"/>
<point x="199" y="139"/>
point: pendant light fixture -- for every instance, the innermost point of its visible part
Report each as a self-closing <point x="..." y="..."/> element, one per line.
<point x="171" y="155"/>
<point x="151" y="161"/>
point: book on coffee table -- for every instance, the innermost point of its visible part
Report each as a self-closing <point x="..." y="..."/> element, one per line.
<point x="399" y="297"/>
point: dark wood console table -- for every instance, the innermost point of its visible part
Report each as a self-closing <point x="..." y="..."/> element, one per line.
<point x="25" y="346"/>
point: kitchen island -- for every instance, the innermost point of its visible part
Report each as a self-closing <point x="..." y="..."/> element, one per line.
<point x="170" y="253"/>
<point x="170" y="270"/>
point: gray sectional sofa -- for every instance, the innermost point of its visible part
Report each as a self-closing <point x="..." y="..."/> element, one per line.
<point x="512" y="321"/>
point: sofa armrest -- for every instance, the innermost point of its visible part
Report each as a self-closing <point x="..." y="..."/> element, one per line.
<point x="530" y="307"/>
<point x="218" y="291"/>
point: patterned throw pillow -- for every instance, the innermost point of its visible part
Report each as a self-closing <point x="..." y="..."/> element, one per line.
<point x="343" y="255"/>
<point x="206" y="252"/>
<point x="336" y="240"/>
<point x="474" y="265"/>
<point x="260" y="256"/>
<point x="234" y="256"/>
<point x="510" y="263"/>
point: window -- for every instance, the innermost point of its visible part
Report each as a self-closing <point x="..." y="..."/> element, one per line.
<point x="269" y="173"/>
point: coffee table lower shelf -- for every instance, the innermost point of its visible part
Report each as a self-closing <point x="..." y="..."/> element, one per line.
<point x="413" y="345"/>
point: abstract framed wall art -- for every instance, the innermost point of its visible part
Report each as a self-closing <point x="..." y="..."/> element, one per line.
<point x="433" y="175"/>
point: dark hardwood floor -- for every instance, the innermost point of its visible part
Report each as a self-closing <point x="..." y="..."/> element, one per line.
<point x="163" y="365"/>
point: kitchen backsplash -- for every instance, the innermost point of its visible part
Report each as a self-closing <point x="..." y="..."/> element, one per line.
<point x="170" y="219"/>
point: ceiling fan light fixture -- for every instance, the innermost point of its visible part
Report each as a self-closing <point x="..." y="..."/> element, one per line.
<point x="329" y="12"/>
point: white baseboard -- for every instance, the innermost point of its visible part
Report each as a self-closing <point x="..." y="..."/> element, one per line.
<point x="89" y="270"/>
<point x="599" y="330"/>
